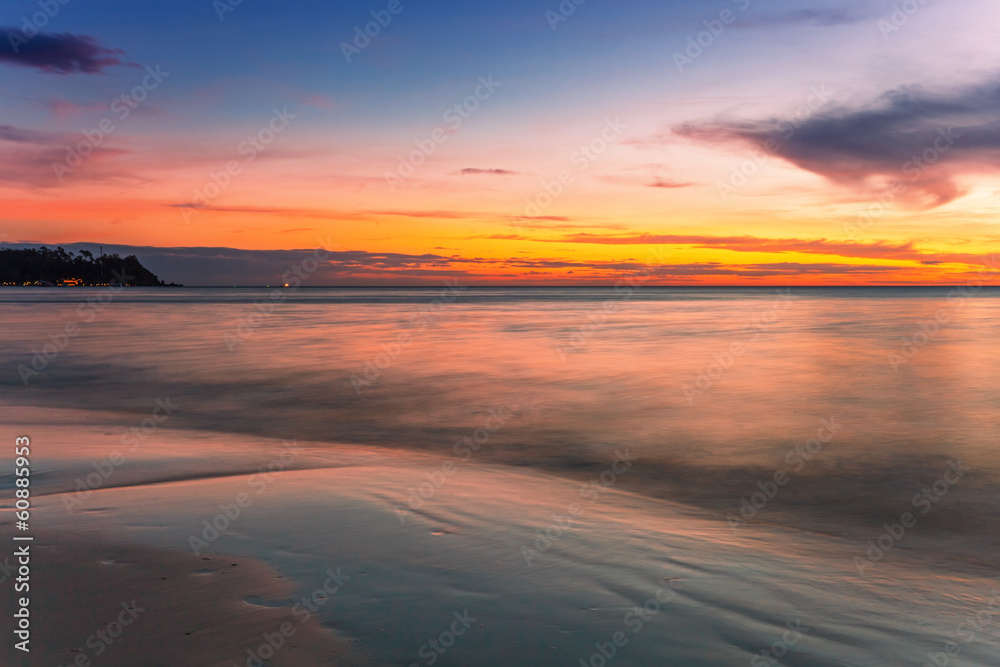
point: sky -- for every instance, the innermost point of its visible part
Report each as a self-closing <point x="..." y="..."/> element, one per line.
<point x="731" y="142"/>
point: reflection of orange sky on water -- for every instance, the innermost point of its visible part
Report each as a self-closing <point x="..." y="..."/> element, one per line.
<point x="577" y="374"/>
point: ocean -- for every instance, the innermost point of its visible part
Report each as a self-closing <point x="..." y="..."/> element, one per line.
<point x="778" y="416"/>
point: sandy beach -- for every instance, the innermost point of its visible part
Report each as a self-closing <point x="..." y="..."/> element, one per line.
<point x="100" y="600"/>
<point x="524" y="566"/>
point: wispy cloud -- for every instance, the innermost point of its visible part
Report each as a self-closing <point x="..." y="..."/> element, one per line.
<point x="24" y="136"/>
<point x="319" y="101"/>
<point x="417" y="213"/>
<point x="283" y="211"/>
<point x="469" y="171"/>
<point x="63" y="109"/>
<point x="27" y="156"/>
<point x="530" y="221"/>
<point x="830" y="16"/>
<point x="660" y="183"/>
<point x="883" y="250"/>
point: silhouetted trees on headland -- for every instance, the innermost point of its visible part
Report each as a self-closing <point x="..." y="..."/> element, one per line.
<point x="44" y="266"/>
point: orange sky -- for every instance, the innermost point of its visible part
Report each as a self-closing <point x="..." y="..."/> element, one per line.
<point x="561" y="160"/>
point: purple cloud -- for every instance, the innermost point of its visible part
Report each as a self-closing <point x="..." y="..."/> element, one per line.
<point x="58" y="53"/>
<point x="917" y="141"/>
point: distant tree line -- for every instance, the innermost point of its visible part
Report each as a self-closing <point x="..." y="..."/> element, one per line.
<point x="44" y="265"/>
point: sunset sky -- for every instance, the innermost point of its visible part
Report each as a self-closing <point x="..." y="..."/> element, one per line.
<point x="585" y="147"/>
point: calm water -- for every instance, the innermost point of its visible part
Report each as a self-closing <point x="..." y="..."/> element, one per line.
<point x="712" y="389"/>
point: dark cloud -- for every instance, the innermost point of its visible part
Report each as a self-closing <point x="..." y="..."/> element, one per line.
<point x="914" y="140"/>
<point x="59" y="53"/>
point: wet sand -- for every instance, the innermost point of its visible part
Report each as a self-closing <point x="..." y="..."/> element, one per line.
<point x="113" y="603"/>
<point x="495" y="566"/>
